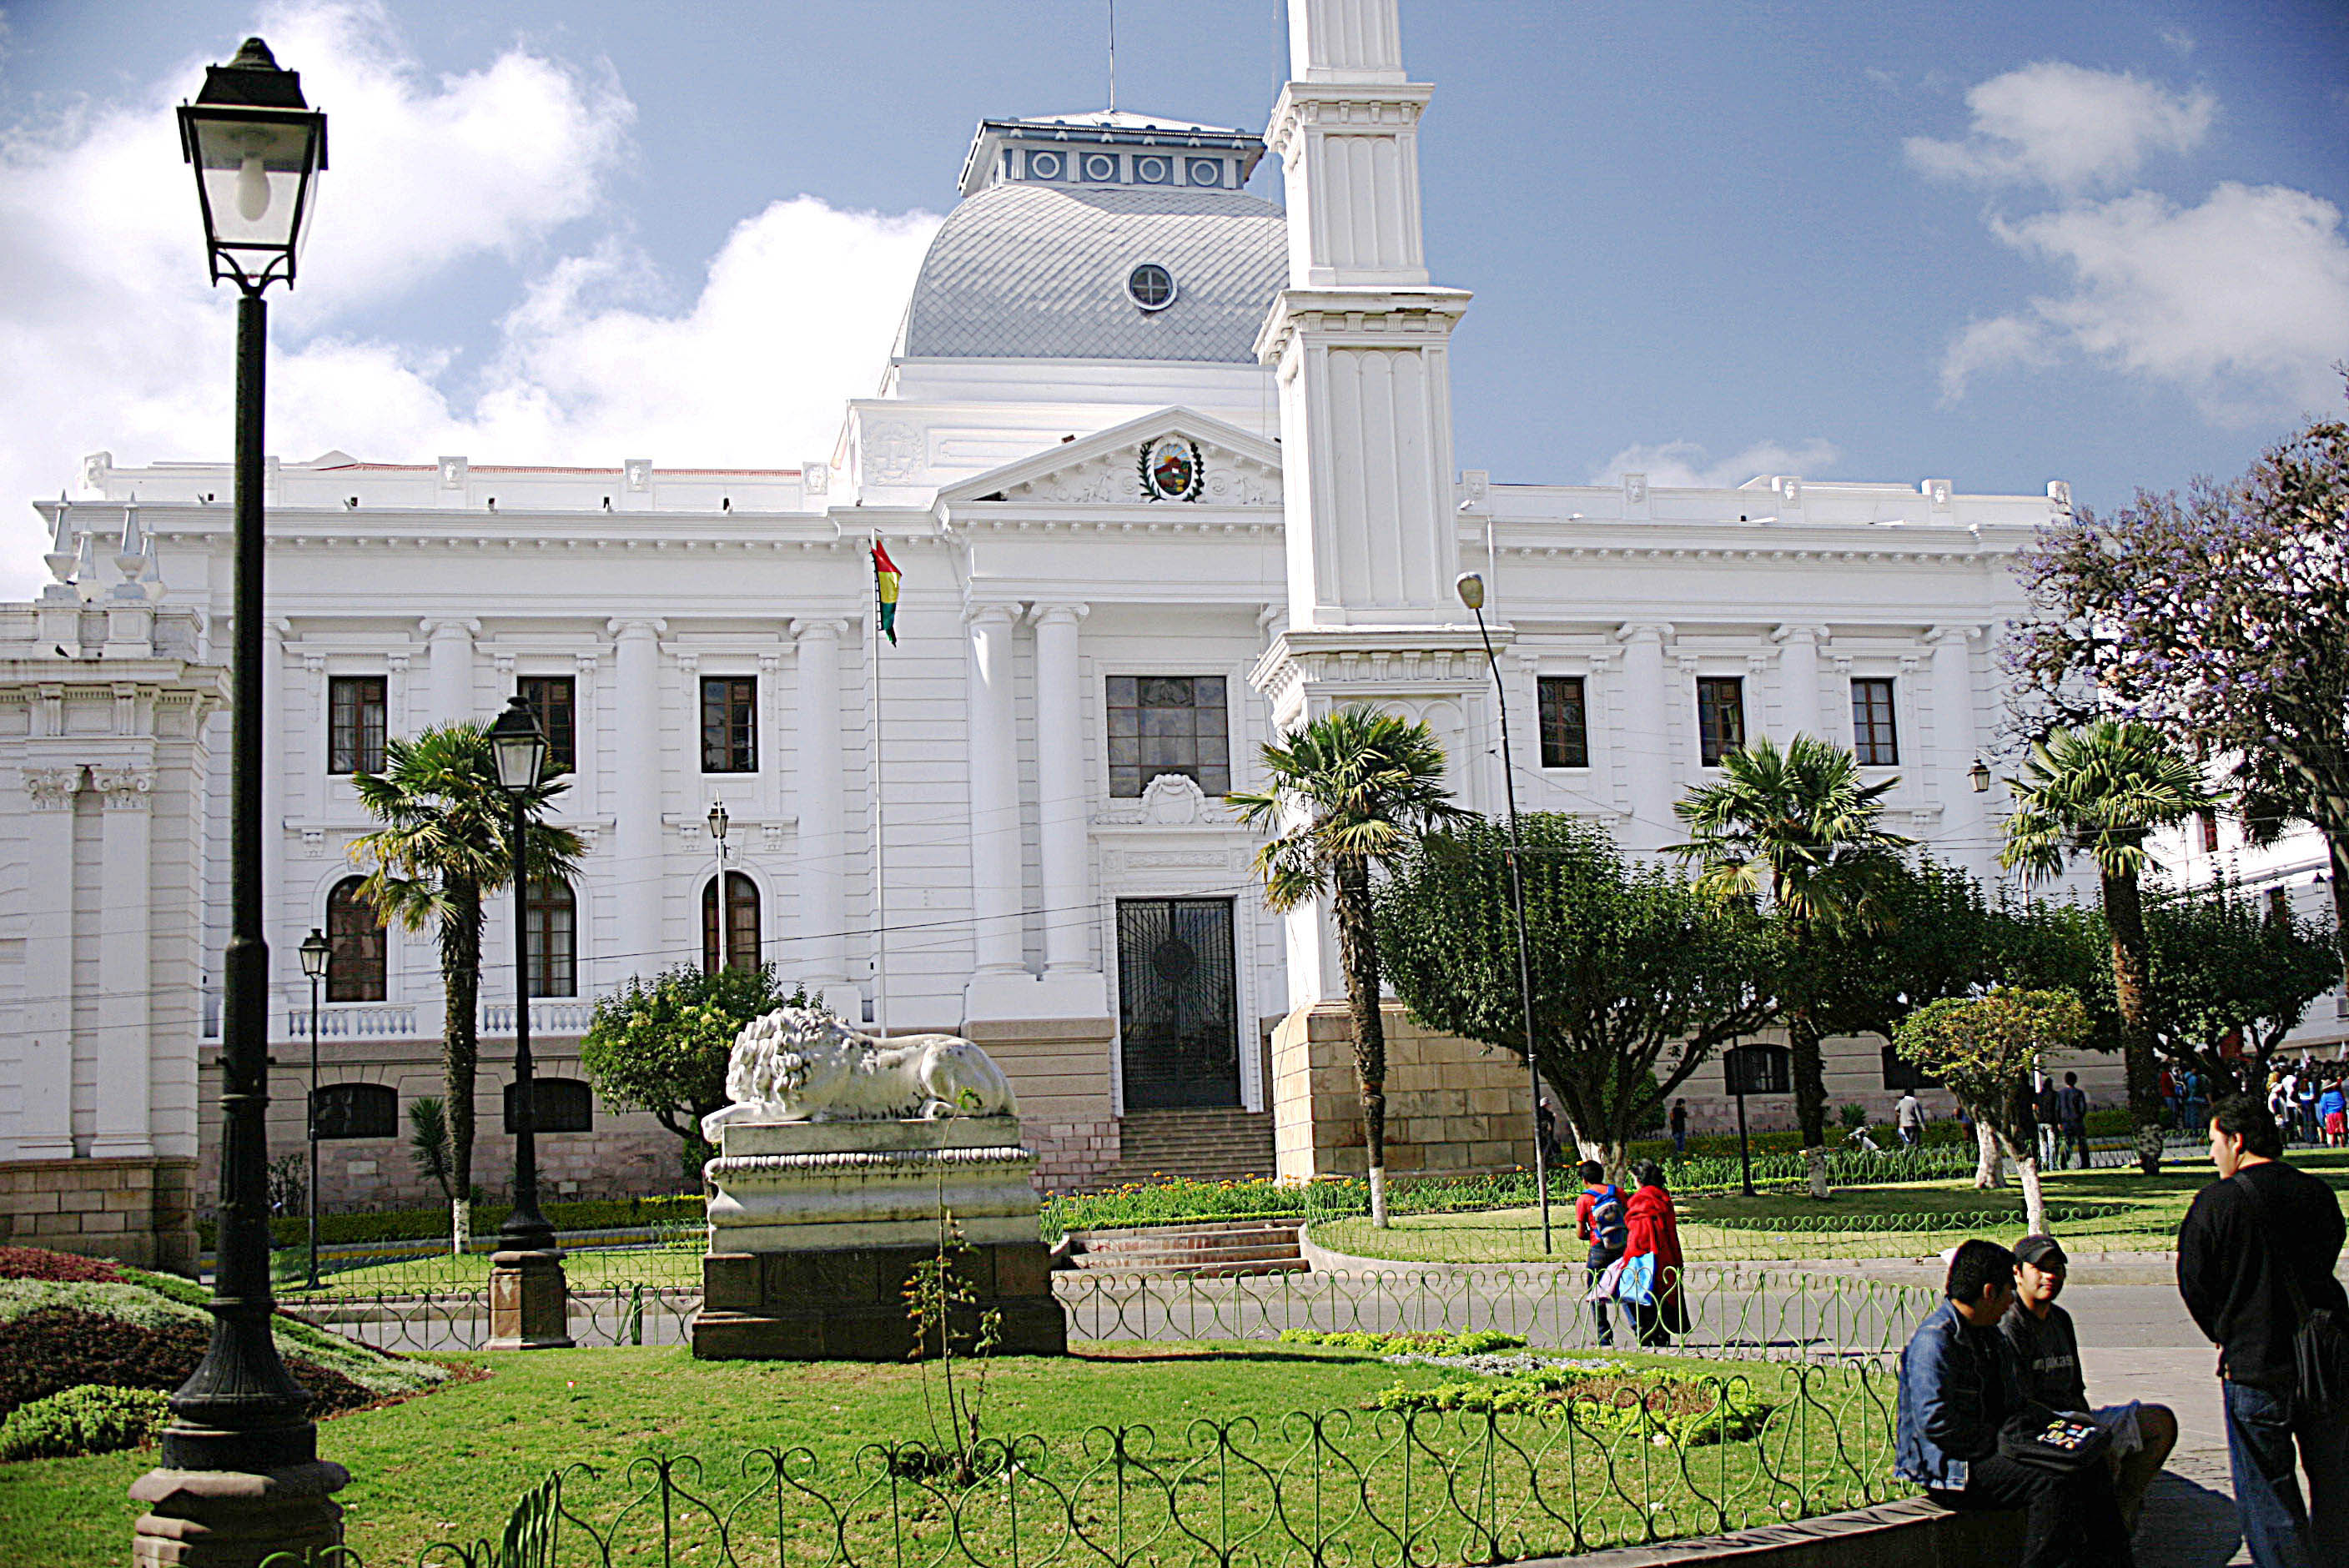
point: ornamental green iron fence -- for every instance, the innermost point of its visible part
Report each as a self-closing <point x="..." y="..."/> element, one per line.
<point x="1644" y="1460"/>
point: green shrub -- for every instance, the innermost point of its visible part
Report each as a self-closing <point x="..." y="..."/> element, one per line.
<point x="1669" y="1412"/>
<point x="432" y="1225"/>
<point x="1476" y="1342"/>
<point x="88" y="1419"/>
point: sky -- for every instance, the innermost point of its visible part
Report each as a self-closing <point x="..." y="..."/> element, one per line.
<point x="2000" y="244"/>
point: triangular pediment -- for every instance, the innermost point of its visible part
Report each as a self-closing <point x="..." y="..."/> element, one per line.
<point x="1112" y="468"/>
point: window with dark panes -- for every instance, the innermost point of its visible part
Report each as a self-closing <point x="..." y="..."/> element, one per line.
<point x="355" y="724"/>
<point x="1720" y="717"/>
<point x="729" y="724"/>
<point x="1900" y="1073"/>
<point x="358" y="1110"/>
<point x="354" y="946"/>
<point x="1764" y="1069"/>
<point x="1874" y="740"/>
<point x="1564" y="736"/>
<point x="741" y="923"/>
<point x="1168" y="724"/>
<point x="550" y="921"/>
<point x="551" y="699"/>
<point x="2208" y="821"/>
<point x="562" y="1105"/>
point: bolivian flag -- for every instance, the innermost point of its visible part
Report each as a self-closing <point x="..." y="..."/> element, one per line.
<point x="884" y="589"/>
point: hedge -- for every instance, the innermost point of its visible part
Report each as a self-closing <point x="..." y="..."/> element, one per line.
<point x="432" y="1225"/>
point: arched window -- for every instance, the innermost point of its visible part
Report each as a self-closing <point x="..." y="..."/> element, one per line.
<point x="354" y="946"/>
<point x="564" y="1104"/>
<point x="551" y="918"/>
<point x="1900" y="1073"/>
<point x="741" y="922"/>
<point x="358" y="1111"/>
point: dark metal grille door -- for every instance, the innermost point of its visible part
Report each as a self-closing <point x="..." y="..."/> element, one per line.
<point x="1178" y="1002"/>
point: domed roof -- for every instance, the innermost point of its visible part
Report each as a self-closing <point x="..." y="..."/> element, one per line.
<point x="1025" y="271"/>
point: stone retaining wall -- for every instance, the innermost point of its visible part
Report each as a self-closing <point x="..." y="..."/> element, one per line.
<point x="138" y="1210"/>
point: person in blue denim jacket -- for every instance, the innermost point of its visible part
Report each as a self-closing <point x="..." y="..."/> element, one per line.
<point x="1959" y="1384"/>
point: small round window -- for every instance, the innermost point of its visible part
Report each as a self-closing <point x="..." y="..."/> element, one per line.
<point x="1151" y="287"/>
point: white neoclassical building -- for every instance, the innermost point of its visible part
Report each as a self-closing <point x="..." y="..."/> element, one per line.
<point x="1166" y="468"/>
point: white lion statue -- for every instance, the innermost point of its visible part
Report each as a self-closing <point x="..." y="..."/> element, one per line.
<point x="801" y="1064"/>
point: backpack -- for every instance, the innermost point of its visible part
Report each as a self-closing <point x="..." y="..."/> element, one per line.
<point x="1608" y="1228"/>
<point x="2320" y="1346"/>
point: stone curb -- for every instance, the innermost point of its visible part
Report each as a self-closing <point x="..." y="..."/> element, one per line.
<point x="1914" y="1534"/>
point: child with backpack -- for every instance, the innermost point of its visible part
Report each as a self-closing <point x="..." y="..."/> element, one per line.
<point x="1599" y="1219"/>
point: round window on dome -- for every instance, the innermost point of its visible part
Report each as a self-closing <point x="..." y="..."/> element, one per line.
<point x="1151" y="287"/>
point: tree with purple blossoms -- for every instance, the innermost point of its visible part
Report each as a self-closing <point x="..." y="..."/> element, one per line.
<point x="2222" y="620"/>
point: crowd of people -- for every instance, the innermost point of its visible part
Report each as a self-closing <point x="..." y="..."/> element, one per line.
<point x="2310" y="1101"/>
<point x="1994" y="1410"/>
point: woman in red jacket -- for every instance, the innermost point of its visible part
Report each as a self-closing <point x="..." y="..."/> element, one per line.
<point x="1655" y="1229"/>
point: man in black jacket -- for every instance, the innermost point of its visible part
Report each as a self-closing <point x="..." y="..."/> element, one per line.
<point x="2250" y="1237"/>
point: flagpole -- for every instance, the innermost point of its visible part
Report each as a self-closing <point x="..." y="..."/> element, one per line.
<point x="873" y="779"/>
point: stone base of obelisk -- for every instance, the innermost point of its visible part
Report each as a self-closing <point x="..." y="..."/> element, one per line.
<point x="816" y="1227"/>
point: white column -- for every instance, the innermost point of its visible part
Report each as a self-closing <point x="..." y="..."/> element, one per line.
<point x="1062" y="800"/>
<point x="636" y="812"/>
<point x="1956" y="741"/>
<point x="450" y="653"/>
<point x="277" y="762"/>
<point x="45" y="1113"/>
<point x="994" y="793"/>
<point x="1798" y="678"/>
<point x="123" y="954"/>
<point x="1647" y="739"/>
<point x="822" y="810"/>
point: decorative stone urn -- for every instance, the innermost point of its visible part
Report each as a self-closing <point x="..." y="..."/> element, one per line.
<point x="822" y="1208"/>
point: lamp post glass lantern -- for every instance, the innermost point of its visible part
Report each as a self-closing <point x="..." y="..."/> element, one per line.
<point x="315" y="953"/>
<point x="1471" y="589"/>
<point x="257" y="149"/>
<point x="718" y="819"/>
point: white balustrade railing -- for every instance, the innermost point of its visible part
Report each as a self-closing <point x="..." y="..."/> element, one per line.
<point x="548" y="1016"/>
<point x="353" y="1021"/>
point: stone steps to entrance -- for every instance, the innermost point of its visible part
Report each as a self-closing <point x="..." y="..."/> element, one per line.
<point x="1220" y="1247"/>
<point x="1202" y="1145"/>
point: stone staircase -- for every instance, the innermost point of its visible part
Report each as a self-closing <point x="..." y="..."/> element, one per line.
<point x="1202" y="1145"/>
<point x="1220" y="1247"/>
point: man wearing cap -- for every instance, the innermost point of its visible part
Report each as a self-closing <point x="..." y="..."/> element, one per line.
<point x="2047" y="1359"/>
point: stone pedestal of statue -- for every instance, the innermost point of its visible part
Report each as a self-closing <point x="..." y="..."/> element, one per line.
<point x="815" y="1227"/>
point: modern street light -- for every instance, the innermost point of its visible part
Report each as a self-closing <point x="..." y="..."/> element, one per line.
<point x="1471" y="589"/>
<point x="314" y="951"/>
<point x="257" y="149"/>
<point x="718" y="838"/>
<point x="529" y="1298"/>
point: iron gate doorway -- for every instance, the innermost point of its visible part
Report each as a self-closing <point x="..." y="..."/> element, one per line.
<point x="1177" y="1002"/>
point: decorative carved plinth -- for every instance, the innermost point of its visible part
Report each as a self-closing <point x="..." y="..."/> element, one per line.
<point x="530" y="1301"/>
<point x="228" y="1519"/>
<point x="816" y="1226"/>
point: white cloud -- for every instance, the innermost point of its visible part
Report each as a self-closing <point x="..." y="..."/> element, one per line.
<point x="2241" y="302"/>
<point x="2065" y="127"/>
<point x="1685" y="463"/>
<point x="115" y="342"/>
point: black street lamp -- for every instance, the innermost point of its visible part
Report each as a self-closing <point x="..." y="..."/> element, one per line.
<point x="529" y="1298"/>
<point x="315" y="953"/>
<point x="718" y="819"/>
<point x="257" y="149"/>
<point x="1471" y="589"/>
<point x="1738" y="1060"/>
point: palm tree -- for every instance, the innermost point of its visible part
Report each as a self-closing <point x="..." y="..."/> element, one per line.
<point x="1796" y="827"/>
<point x="1352" y="790"/>
<point x="442" y="848"/>
<point x="2100" y="791"/>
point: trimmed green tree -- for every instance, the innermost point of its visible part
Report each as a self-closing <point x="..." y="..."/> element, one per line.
<point x="1636" y="981"/>
<point x="443" y="848"/>
<point x="1984" y="1048"/>
<point x="2100" y="791"/>
<point x="663" y="1045"/>
<point x="1351" y="792"/>
<point x="1794" y="834"/>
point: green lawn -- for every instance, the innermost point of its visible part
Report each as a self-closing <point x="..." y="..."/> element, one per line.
<point x="587" y="1268"/>
<point x="451" y="1465"/>
<point x="2110" y="1210"/>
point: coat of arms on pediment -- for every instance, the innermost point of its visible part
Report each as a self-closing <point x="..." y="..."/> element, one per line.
<point x="1173" y="456"/>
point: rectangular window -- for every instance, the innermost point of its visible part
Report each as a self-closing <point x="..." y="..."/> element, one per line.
<point x="1168" y="724"/>
<point x="551" y="701"/>
<point x="1874" y="740"/>
<point x="355" y="724"/>
<point x="729" y="724"/>
<point x="2208" y="821"/>
<point x="1565" y="734"/>
<point x="1720" y="717"/>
